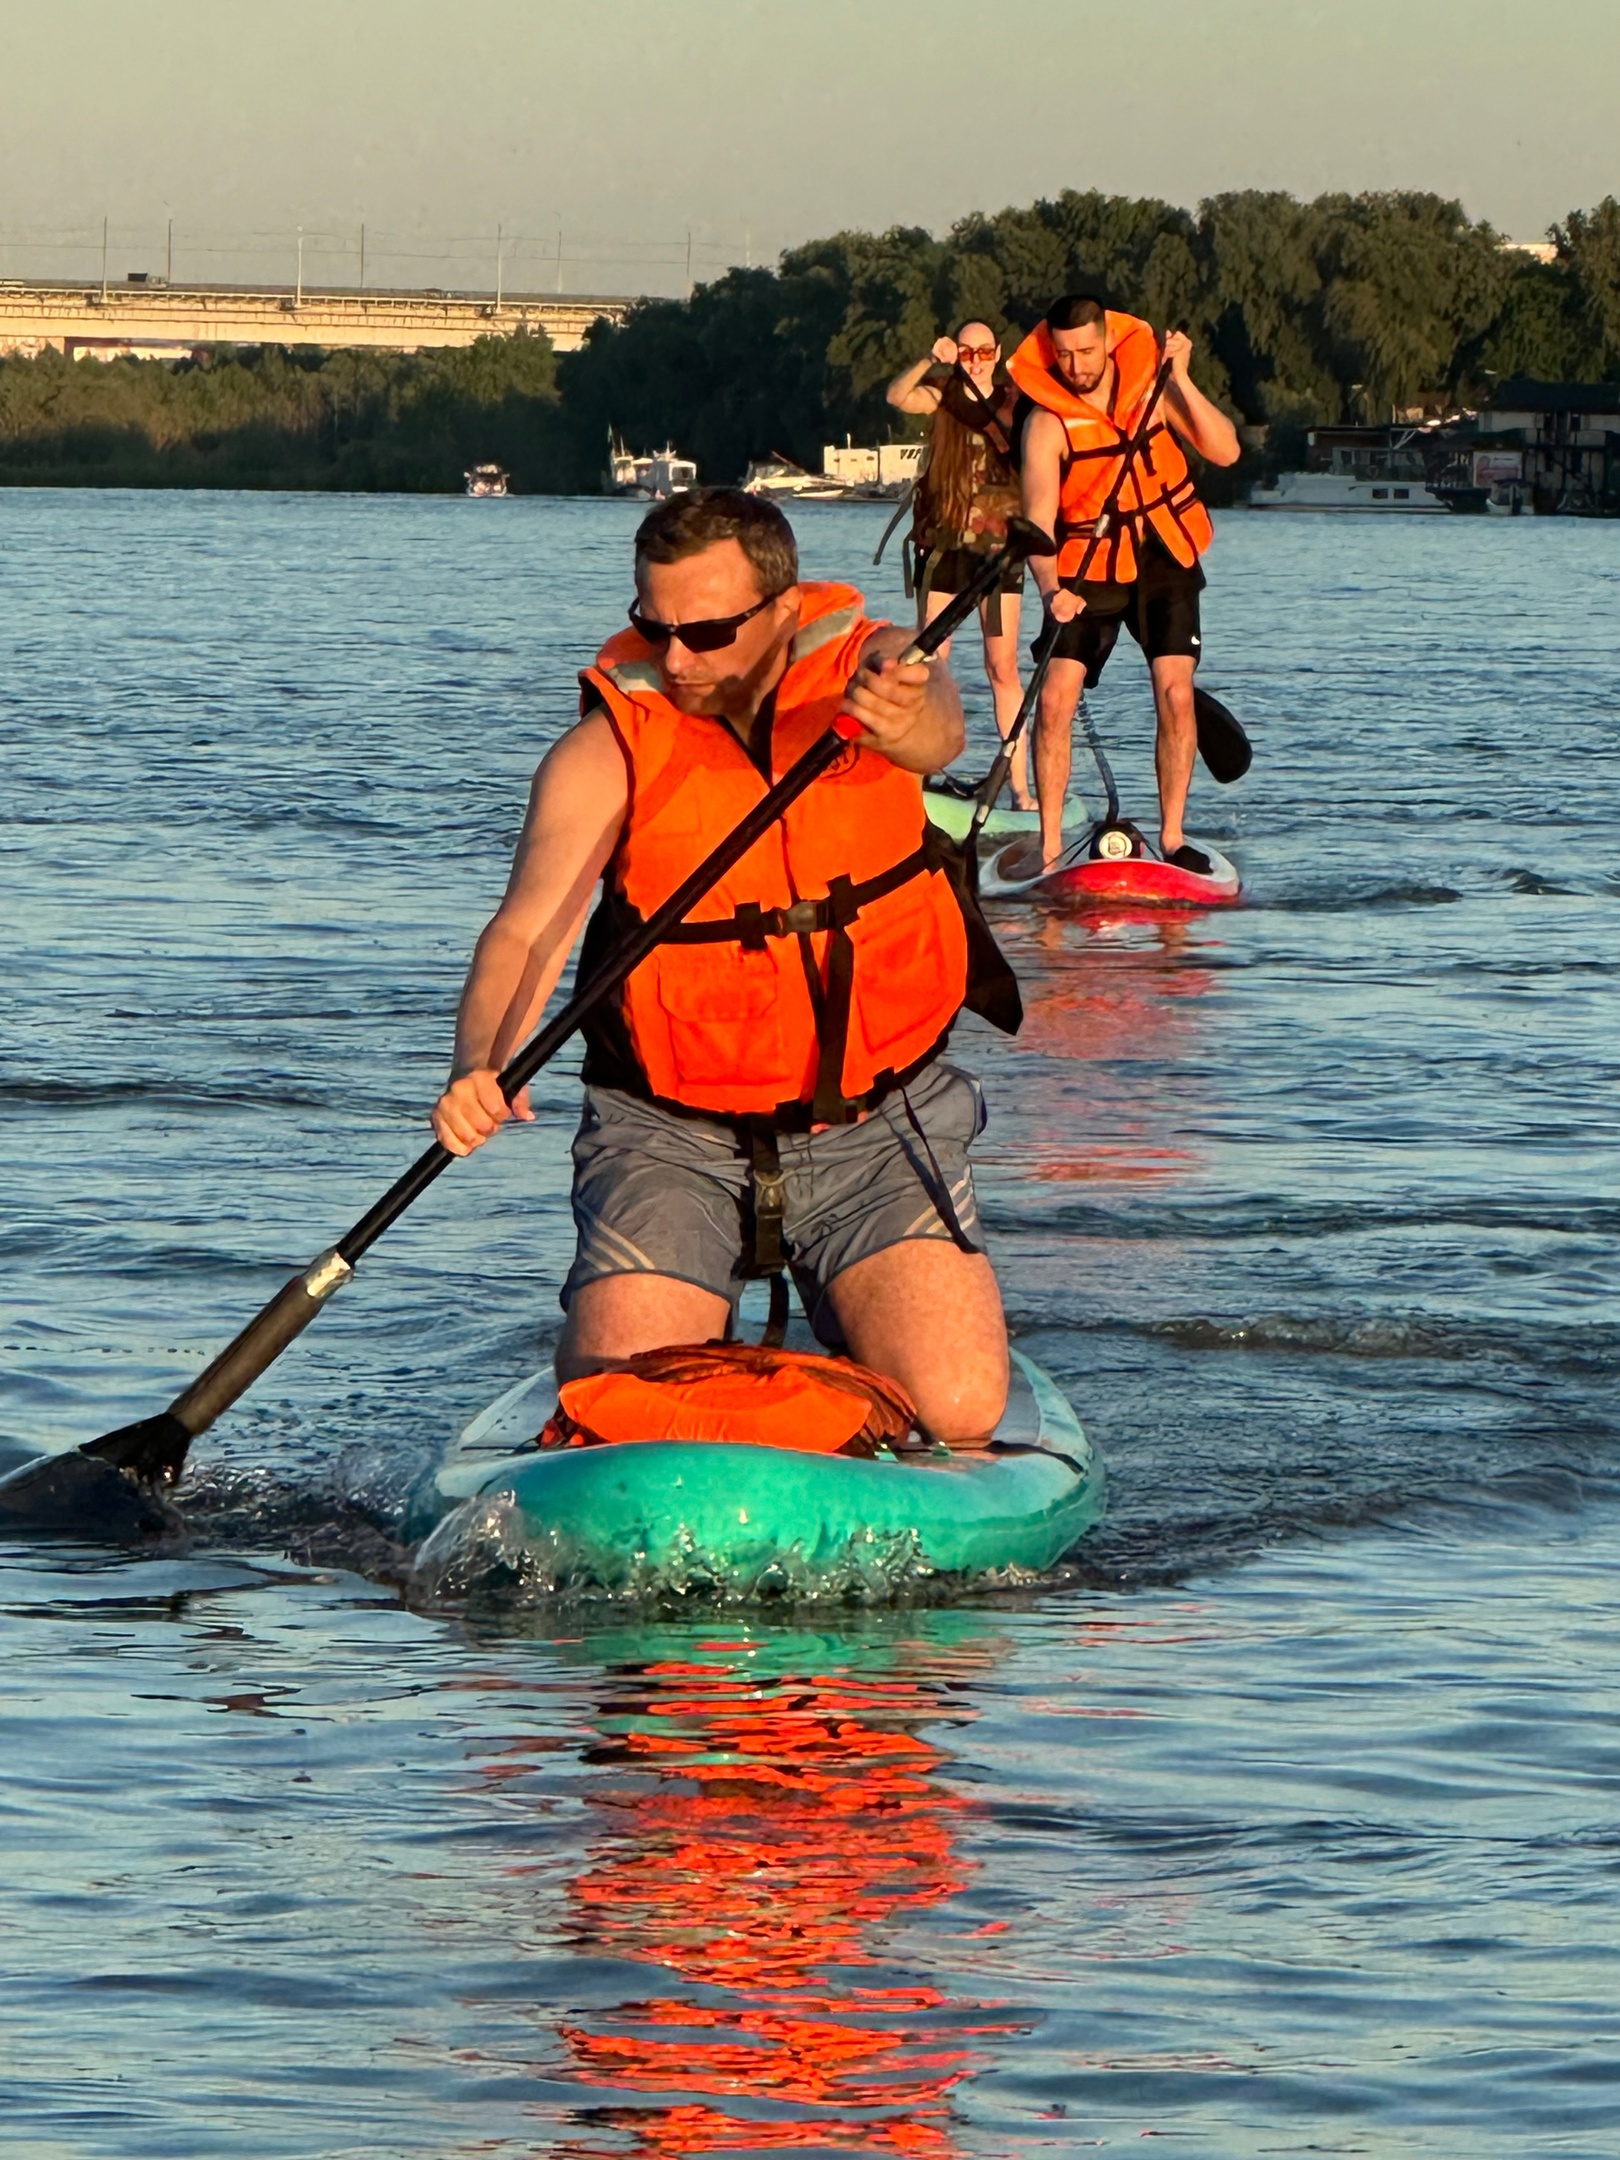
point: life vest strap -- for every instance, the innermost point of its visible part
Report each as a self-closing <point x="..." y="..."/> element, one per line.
<point x="752" y="924"/>
<point x="766" y="1254"/>
<point x="1137" y="514"/>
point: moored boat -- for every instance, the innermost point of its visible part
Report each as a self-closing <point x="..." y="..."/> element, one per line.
<point x="778" y="479"/>
<point x="643" y="1518"/>
<point x="1349" y="491"/>
<point x="486" y="480"/>
<point x="647" y="479"/>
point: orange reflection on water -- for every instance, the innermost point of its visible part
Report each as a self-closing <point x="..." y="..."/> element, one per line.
<point x="778" y="1829"/>
<point x="1112" y="993"/>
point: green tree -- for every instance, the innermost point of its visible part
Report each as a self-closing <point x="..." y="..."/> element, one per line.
<point x="1588" y="245"/>
<point x="267" y="417"/>
<point x="1538" y="330"/>
<point x="1264" y="287"/>
<point x="1406" y="282"/>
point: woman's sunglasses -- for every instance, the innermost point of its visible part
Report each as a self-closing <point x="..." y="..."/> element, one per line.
<point x="697" y="636"/>
<point x="975" y="352"/>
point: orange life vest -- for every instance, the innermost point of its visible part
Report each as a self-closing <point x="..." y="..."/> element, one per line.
<point x="1158" y="494"/>
<point x="829" y="963"/>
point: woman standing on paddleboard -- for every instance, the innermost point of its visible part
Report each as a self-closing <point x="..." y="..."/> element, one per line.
<point x="966" y="492"/>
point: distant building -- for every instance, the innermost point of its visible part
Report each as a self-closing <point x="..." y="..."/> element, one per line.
<point x="1566" y="436"/>
<point x="884" y="470"/>
<point x="1549" y="447"/>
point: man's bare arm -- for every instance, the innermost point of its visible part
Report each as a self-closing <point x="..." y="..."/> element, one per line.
<point x="913" y="715"/>
<point x="576" y="807"/>
<point x="1041" y="482"/>
<point x="1200" y="423"/>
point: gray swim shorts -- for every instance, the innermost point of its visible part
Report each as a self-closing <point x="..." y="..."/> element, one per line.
<point x="660" y="1194"/>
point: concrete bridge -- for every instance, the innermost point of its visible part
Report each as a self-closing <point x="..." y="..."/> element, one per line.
<point x="147" y="319"/>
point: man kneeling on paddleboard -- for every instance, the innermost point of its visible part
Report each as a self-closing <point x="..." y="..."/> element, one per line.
<point x="767" y="1089"/>
<point x="1091" y="374"/>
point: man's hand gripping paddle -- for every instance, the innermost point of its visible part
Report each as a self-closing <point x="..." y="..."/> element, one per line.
<point x="112" y="1486"/>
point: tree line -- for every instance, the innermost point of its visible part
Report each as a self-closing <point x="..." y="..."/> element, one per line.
<point x="1348" y="307"/>
<point x="282" y="417"/>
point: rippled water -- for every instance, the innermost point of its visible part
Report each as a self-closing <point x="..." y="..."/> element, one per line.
<point x="1285" y="1821"/>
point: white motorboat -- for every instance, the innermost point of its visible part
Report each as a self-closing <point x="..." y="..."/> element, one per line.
<point x="486" y="480"/>
<point x="780" y="480"/>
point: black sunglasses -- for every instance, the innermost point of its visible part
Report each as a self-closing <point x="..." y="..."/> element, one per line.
<point x="697" y="636"/>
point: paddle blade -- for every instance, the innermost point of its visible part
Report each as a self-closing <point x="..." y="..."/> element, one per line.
<point x="153" y="1449"/>
<point x="84" y="1495"/>
<point x="1222" y="744"/>
<point x="1024" y="539"/>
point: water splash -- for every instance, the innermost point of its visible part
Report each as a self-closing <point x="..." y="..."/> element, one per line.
<point x="487" y="1550"/>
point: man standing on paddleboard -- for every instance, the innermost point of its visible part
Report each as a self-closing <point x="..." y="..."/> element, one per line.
<point x="1090" y="373"/>
<point x="767" y="1089"/>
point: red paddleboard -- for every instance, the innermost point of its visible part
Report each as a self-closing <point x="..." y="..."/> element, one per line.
<point x="1083" y="874"/>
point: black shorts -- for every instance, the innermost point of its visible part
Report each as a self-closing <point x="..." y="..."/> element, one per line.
<point x="1159" y="609"/>
<point x="957" y="567"/>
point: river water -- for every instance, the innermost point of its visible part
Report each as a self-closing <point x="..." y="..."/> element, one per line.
<point x="1285" y="1819"/>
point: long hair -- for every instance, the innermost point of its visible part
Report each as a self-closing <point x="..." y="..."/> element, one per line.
<point x="947" y="482"/>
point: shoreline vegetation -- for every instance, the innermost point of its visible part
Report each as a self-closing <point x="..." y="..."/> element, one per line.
<point x="1343" y="309"/>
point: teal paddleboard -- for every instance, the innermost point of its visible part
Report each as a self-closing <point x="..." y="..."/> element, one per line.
<point x="649" y="1518"/>
<point x="954" y="813"/>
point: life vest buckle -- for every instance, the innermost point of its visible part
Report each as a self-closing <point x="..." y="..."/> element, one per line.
<point x="801" y="918"/>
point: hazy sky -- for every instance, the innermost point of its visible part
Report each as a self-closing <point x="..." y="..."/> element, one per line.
<point x="623" y="124"/>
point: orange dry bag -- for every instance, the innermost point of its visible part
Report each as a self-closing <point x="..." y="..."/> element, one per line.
<point x="738" y="1393"/>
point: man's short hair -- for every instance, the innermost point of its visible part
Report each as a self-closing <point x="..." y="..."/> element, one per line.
<point x="691" y="523"/>
<point x="1076" y="311"/>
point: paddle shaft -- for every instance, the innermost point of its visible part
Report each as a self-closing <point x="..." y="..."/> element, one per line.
<point x="984" y="796"/>
<point x="295" y="1305"/>
<point x="543" y="1046"/>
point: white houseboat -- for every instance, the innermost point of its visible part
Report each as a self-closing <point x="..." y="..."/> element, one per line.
<point x="1347" y="491"/>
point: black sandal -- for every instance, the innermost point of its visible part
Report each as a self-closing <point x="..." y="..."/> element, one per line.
<point x="1187" y="857"/>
